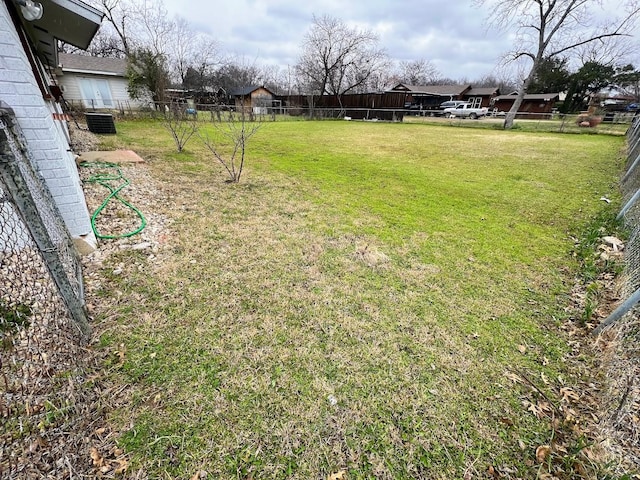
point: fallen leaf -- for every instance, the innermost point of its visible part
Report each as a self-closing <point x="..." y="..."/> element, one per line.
<point x="493" y="472"/>
<point x="339" y="475"/>
<point x="545" y="406"/>
<point x="122" y="467"/>
<point x="560" y="448"/>
<point x="513" y="377"/>
<point x="537" y="411"/>
<point x="569" y="395"/>
<point x="570" y="415"/>
<point x="542" y="452"/>
<point x="97" y="459"/>
<point x="507" y="421"/>
<point x="36" y="444"/>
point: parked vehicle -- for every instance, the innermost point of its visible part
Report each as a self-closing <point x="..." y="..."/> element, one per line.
<point x="465" y="110"/>
<point x="451" y="104"/>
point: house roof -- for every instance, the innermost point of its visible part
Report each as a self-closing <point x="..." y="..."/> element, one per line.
<point x="70" y="62"/>
<point x="243" y="92"/>
<point x="71" y="21"/>
<point x="483" y="91"/>
<point x="441" y="90"/>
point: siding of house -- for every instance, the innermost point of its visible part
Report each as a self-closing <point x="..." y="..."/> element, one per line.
<point x="531" y="108"/>
<point x="118" y="86"/>
<point x="46" y="138"/>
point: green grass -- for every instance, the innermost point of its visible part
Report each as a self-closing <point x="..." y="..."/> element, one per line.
<point x="355" y="302"/>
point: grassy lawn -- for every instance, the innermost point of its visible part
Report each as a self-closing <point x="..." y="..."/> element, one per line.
<point x="362" y="301"/>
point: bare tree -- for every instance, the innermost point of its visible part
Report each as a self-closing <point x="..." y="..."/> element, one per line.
<point x="155" y="28"/>
<point x="104" y="44"/>
<point x="505" y="83"/>
<point x="417" y="72"/>
<point x="336" y="59"/>
<point x="272" y="77"/>
<point x="550" y="28"/>
<point x="236" y="74"/>
<point x="155" y="45"/>
<point x="189" y="49"/>
<point x="231" y="135"/>
<point x="181" y="124"/>
<point x="118" y="24"/>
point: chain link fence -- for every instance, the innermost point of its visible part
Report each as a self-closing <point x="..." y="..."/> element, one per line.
<point x="622" y="327"/>
<point x="630" y="213"/>
<point x="43" y="327"/>
<point x="615" y="123"/>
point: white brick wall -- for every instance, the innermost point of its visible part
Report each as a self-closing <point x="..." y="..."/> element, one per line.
<point x="46" y="142"/>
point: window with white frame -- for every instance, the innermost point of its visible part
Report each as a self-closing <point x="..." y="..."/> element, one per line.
<point x="96" y="93"/>
<point x="475" y="102"/>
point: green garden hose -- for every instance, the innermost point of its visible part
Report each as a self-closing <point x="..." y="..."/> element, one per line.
<point x="104" y="179"/>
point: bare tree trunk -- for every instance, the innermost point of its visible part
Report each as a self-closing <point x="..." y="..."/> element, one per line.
<point x="342" y="112"/>
<point x="511" y="115"/>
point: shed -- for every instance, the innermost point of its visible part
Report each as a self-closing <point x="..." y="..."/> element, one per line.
<point x="94" y="82"/>
<point x="256" y="99"/>
<point x="28" y="54"/>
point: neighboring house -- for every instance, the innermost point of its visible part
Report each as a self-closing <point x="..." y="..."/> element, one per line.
<point x="481" y="97"/>
<point x="534" y="105"/>
<point x="256" y="99"/>
<point x="95" y="82"/>
<point x="27" y="54"/>
<point x="430" y="96"/>
<point x="617" y="99"/>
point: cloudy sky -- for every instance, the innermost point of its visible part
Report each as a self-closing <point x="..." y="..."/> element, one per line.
<point x="449" y="33"/>
<point x="452" y="34"/>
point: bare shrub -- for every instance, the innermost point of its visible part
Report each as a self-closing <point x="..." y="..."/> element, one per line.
<point x="236" y="130"/>
<point x="181" y="123"/>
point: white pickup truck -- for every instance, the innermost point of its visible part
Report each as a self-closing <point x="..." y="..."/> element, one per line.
<point x="465" y="110"/>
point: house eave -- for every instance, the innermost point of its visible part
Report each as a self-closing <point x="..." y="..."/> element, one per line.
<point x="70" y="21"/>
<point x="91" y="72"/>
